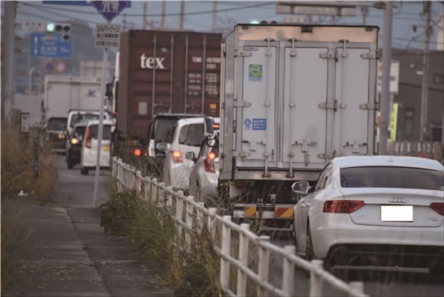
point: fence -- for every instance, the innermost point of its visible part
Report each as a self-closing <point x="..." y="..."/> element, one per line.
<point x="430" y="150"/>
<point x="191" y="217"/>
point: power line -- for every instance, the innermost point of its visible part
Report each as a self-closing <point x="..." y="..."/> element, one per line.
<point x="53" y="10"/>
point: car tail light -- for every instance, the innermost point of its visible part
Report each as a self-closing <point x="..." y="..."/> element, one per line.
<point x="137" y="152"/>
<point x="177" y="156"/>
<point x="438" y="207"/>
<point x="88" y="137"/>
<point x="209" y="162"/>
<point x="343" y="206"/>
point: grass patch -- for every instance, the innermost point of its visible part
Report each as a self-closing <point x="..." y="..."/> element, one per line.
<point x="17" y="173"/>
<point x="190" y="270"/>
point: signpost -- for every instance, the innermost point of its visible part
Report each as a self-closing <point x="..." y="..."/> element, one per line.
<point x="50" y="47"/>
<point x="107" y="36"/>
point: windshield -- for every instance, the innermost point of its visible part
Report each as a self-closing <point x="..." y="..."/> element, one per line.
<point x="79" y="131"/>
<point x="164" y="130"/>
<point x="94" y="130"/>
<point x="78" y="118"/>
<point x="58" y="124"/>
<point x="392" y="177"/>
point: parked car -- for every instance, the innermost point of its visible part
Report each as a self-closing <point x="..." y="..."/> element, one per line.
<point x="74" y="144"/>
<point x="204" y="176"/>
<point x="373" y="210"/>
<point x="188" y="136"/>
<point x="88" y="160"/>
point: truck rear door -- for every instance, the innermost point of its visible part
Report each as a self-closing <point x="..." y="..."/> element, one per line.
<point x="257" y="105"/>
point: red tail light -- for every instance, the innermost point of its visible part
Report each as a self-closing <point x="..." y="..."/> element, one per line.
<point x="343" y="206"/>
<point x="137" y="152"/>
<point x="209" y="162"/>
<point x="177" y="157"/>
<point x="438" y="207"/>
<point x="88" y="137"/>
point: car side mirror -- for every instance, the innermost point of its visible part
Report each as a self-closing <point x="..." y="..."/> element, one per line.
<point x="300" y="187"/>
<point x="162" y="146"/>
<point x="190" y="156"/>
<point x="208" y="126"/>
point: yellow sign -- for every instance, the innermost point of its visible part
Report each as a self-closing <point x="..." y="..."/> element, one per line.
<point x="393" y="122"/>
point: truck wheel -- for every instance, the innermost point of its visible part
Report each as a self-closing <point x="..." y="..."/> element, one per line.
<point x="83" y="171"/>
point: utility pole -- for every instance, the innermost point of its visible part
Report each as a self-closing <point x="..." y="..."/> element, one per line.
<point x="182" y="10"/>
<point x="8" y="45"/>
<point x="124" y="22"/>
<point x="425" y="72"/>
<point x="163" y="14"/>
<point x="144" y="15"/>
<point x="213" y="28"/>
<point x="385" y="88"/>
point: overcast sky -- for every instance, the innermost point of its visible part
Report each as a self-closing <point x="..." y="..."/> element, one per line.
<point x="198" y="16"/>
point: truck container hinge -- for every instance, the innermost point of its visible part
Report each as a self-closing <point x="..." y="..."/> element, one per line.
<point x="328" y="55"/>
<point x="243" y="54"/>
<point x="327" y="156"/>
<point x="329" y="105"/>
<point x="370" y="55"/>
<point x="369" y="106"/>
<point x="241" y="104"/>
<point x="305" y="144"/>
<point x="355" y="146"/>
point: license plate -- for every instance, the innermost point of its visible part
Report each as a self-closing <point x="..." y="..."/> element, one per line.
<point x="396" y="213"/>
<point x="106" y="148"/>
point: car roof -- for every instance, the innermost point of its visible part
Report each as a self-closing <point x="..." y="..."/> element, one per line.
<point x="394" y="161"/>
<point x="96" y="122"/>
<point x="177" y="115"/>
<point x="81" y="124"/>
<point x="195" y="120"/>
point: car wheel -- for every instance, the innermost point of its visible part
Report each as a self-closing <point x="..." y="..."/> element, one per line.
<point x="70" y="164"/>
<point x="83" y="171"/>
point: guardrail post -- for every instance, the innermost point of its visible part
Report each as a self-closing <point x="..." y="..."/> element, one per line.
<point x="169" y="197"/>
<point x="161" y="199"/>
<point x="154" y="189"/>
<point x="288" y="273"/>
<point x="315" y="279"/>
<point x="243" y="259"/>
<point x="138" y="183"/>
<point x="212" y="222"/>
<point x="358" y="288"/>
<point x="146" y="188"/>
<point x="225" y="264"/>
<point x="188" y="220"/>
<point x="200" y="217"/>
<point x="264" y="257"/>
<point x="179" y="214"/>
<point x="114" y="172"/>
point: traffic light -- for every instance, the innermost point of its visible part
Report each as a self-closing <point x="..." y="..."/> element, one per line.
<point x="60" y="28"/>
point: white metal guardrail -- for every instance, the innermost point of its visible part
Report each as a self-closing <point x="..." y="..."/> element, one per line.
<point x="191" y="217"/>
<point x="426" y="149"/>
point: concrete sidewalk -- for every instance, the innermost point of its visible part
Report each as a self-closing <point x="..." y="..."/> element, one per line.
<point x="68" y="254"/>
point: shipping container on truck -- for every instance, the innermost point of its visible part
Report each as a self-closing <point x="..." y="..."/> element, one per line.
<point x="292" y="98"/>
<point x="162" y="72"/>
<point x="63" y="94"/>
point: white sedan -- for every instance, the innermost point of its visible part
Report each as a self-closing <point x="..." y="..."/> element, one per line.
<point x="373" y="210"/>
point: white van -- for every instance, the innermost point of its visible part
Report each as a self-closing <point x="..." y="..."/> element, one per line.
<point x="88" y="158"/>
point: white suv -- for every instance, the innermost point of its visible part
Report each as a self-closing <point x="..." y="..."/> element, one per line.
<point x="88" y="158"/>
<point x="188" y="137"/>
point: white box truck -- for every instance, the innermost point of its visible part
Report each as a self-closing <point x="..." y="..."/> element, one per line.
<point x="292" y="98"/>
<point x="63" y="94"/>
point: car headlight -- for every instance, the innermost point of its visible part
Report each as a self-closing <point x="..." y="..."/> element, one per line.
<point x="61" y="136"/>
<point x="74" y="141"/>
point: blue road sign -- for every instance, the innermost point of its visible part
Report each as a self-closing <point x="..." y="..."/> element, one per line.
<point x="78" y="3"/>
<point x="110" y="9"/>
<point x="43" y="45"/>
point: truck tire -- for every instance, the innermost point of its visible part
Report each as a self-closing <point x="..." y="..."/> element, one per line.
<point x="83" y="171"/>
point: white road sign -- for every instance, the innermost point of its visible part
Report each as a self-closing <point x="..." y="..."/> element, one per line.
<point x="394" y="77"/>
<point x="107" y="35"/>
